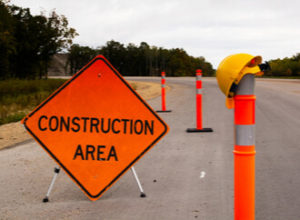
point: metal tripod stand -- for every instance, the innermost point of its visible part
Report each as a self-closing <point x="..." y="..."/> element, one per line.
<point x="57" y="170"/>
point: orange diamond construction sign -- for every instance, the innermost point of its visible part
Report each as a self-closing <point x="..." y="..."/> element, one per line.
<point x="95" y="126"/>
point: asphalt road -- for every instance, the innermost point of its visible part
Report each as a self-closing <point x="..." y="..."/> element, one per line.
<point x="186" y="175"/>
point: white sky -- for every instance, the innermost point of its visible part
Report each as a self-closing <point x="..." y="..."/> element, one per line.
<point x="213" y="29"/>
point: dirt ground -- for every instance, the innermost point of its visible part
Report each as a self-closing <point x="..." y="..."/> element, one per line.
<point x="14" y="133"/>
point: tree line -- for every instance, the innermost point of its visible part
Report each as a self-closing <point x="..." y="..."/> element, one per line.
<point x="287" y="67"/>
<point x="27" y="42"/>
<point x="145" y="60"/>
<point x="141" y="60"/>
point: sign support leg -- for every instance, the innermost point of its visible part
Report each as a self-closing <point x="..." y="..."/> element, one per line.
<point x="138" y="182"/>
<point x="56" y="172"/>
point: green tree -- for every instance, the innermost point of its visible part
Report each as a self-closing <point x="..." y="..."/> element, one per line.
<point x="131" y="60"/>
<point x="114" y="52"/>
<point x="28" y="42"/>
<point x="7" y="41"/>
<point x="79" y="56"/>
<point x="55" y="37"/>
<point x="285" y="67"/>
<point x="296" y="57"/>
<point x="142" y="60"/>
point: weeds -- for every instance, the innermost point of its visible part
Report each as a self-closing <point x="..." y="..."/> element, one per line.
<point x="19" y="97"/>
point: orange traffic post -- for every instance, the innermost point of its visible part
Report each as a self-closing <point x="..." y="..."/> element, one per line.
<point x="236" y="79"/>
<point x="163" y="93"/>
<point x="199" y="127"/>
<point x="244" y="149"/>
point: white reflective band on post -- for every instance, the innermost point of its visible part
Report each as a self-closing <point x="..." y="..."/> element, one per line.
<point x="198" y="77"/>
<point x="198" y="91"/>
<point x="163" y="77"/>
<point x="244" y="135"/>
<point x="163" y="85"/>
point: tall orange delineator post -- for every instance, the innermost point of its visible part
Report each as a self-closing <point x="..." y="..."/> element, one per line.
<point x="163" y="93"/>
<point x="199" y="127"/>
<point x="235" y="76"/>
<point x="244" y="149"/>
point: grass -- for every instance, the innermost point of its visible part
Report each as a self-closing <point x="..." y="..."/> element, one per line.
<point x="19" y="97"/>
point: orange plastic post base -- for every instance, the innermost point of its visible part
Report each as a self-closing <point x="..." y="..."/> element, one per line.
<point x="244" y="182"/>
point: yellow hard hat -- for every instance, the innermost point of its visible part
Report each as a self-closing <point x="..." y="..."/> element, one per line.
<point x="232" y="69"/>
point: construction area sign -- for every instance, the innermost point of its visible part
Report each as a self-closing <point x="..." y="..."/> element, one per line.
<point x="95" y="127"/>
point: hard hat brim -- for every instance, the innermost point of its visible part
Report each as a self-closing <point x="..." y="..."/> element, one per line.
<point x="233" y="68"/>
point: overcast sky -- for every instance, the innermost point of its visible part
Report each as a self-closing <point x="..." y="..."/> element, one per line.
<point x="213" y="29"/>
